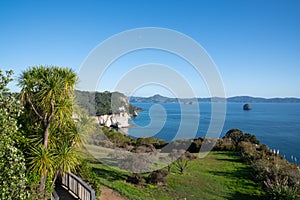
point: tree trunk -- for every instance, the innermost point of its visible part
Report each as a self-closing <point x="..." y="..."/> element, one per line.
<point x="44" y="177"/>
<point x="43" y="187"/>
<point x="46" y="135"/>
<point x="54" y="179"/>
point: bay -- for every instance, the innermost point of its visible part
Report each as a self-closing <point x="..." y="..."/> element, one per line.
<point x="275" y="124"/>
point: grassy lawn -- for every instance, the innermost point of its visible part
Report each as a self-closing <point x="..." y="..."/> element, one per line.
<point x="220" y="175"/>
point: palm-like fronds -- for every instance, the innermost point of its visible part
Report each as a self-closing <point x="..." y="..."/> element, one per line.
<point x="42" y="86"/>
<point x="66" y="158"/>
<point x="47" y="94"/>
<point x="41" y="160"/>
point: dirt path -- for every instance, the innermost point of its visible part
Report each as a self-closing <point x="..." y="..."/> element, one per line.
<point x="109" y="194"/>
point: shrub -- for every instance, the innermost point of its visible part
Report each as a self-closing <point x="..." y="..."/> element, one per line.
<point x="247" y="137"/>
<point x="183" y="159"/>
<point x="157" y="143"/>
<point x="12" y="171"/>
<point x="12" y="162"/>
<point x="195" y="146"/>
<point x="281" y="190"/>
<point x="224" y="144"/>
<point x="158" y="177"/>
<point x="248" y="151"/>
<point x="144" y="149"/>
<point x="259" y="168"/>
<point x="235" y="135"/>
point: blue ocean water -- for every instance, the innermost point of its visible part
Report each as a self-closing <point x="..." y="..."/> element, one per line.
<point x="275" y="124"/>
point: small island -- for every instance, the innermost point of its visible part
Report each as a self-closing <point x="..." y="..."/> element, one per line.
<point x="246" y="107"/>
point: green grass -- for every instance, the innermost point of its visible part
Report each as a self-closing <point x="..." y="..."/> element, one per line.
<point x="220" y="175"/>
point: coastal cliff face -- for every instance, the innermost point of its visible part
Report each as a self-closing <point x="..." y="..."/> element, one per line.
<point x="107" y="108"/>
<point x="117" y="120"/>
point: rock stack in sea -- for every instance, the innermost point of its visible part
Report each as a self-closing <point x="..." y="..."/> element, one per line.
<point x="246" y="107"/>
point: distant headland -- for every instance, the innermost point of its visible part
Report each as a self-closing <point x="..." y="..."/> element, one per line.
<point x="237" y="99"/>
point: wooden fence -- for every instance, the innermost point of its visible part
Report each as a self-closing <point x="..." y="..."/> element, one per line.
<point x="78" y="187"/>
<point x="54" y="196"/>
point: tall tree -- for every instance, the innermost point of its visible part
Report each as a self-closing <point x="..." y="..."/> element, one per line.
<point x="47" y="95"/>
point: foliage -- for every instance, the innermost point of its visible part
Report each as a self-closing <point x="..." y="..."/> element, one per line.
<point x="157" y="143"/>
<point x="41" y="161"/>
<point x="218" y="176"/>
<point x="281" y="190"/>
<point x="158" y="177"/>
<point x="102" y="103"/>
<point x="47" y="96"/>
<point x="12" y="163"/>
<point x="117" y="138"/>
<point x="84" y="170"/>
<point x="12" y="171"/>
<point x="66" y="158"/>
<point x="247" y="137"/>
<point x="235" y="135"/>
<point x="282" y="179"/>
<point x="85" y="125"/>
<point x="183" y="158"/>
<point x="196" y="145"/>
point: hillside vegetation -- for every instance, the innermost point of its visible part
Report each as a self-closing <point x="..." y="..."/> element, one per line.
<point x="220" y="175"/>
<point x="101" y="103"/>
<point x="237" y="168"/>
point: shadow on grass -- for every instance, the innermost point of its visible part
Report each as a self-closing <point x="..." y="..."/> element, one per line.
<point x="241" y="196"/>
<point x="244" y="173"/>
<point x="110" y="175"/>
<point x="237" y="160"/>
<point x="241" y="176"/>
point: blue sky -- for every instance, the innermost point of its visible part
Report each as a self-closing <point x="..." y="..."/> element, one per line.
<point x="255" y="44"/>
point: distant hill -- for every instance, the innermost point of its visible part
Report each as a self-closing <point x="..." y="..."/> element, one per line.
<point x="238" y="99"/>
<point x="249" y="99"/>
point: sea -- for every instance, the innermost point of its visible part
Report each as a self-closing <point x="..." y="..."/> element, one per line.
<point x="275" y="124"/>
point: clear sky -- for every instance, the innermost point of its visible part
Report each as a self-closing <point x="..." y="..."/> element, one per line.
<point x="254" y="43"/>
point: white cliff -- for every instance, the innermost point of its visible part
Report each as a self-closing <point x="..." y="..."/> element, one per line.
<point x="120" y="120"/>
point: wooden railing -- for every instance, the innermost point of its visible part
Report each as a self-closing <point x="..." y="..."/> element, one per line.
<point x="78" y="187"/>
<point x="54" y="196"/>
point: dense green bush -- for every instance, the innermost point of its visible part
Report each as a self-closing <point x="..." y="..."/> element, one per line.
<point x="235" y="135"/>
<point x="280" y="189"/>
<point x="281" y="178"/>
<point x="101" y="103"/>
<point x="12" y="171"/>
<point x="117" y="138"/>
<point x="12" y="162"/>
<point x="225" y="144"/>
<point x="247" y="137"/>
<point x="157" y="143"/>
